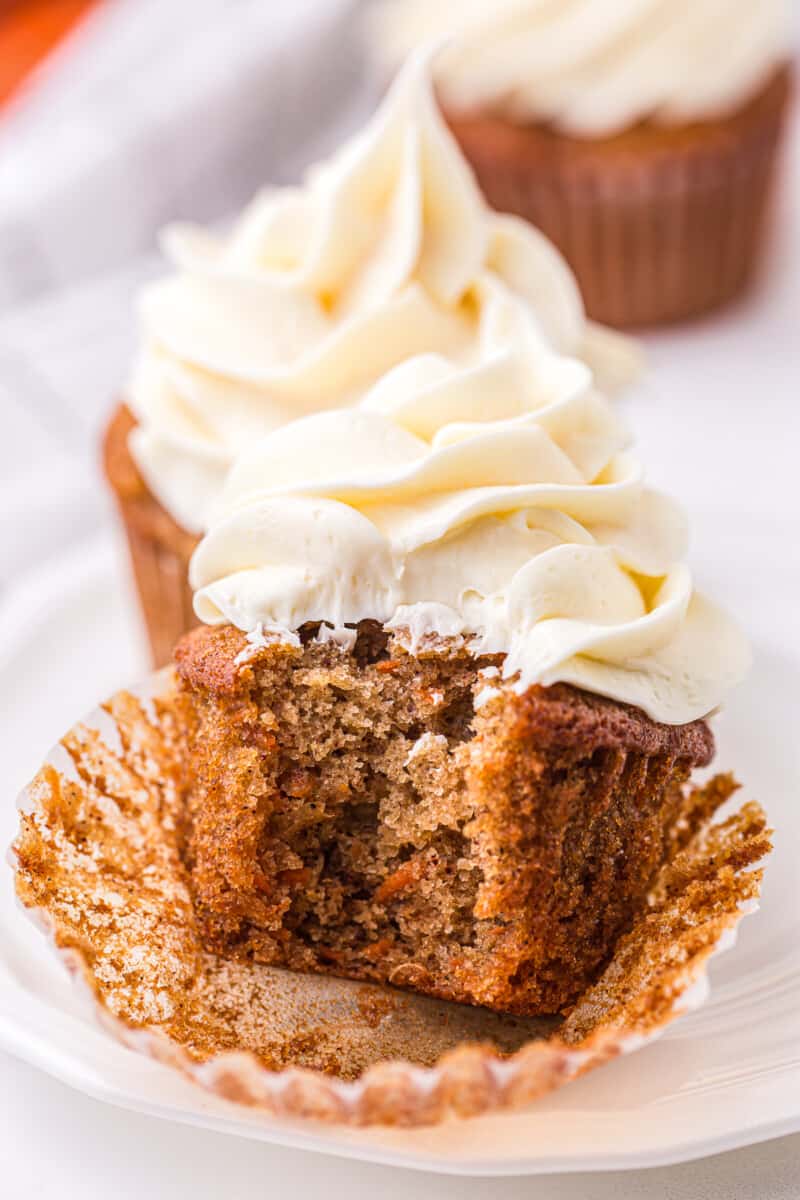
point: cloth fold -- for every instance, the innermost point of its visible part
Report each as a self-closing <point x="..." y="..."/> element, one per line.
<point x="151" y="111"/>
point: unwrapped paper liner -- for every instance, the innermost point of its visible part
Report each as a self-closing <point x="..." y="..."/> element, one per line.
<point x="98" y="863"/>
<point x="658" y="229"/>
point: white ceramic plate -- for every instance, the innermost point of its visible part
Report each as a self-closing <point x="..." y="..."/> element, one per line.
<point x="727" y="1076"/>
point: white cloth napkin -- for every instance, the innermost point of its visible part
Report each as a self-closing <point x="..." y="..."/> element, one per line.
<point x="161" y="109"/>
<point x="155" y="110"/>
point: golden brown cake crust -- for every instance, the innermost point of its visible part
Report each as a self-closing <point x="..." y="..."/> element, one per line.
<point x="560" y="715"/>
<point x="353" y="813"/>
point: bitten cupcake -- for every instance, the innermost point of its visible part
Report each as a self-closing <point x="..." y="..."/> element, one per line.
<point x="640" y="136"/>
<point x="388" y="251"/>
<point x="453" y="678"/>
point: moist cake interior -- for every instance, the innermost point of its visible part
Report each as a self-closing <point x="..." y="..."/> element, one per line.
<point x="353" y="824"/>
<point x="352" y="812"/>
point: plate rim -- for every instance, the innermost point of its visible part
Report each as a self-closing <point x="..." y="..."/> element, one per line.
<point x="324" y="1140"/>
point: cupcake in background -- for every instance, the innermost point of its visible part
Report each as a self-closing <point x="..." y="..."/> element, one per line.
<point x="387" y="253"/>
<point x="641" y="136"/>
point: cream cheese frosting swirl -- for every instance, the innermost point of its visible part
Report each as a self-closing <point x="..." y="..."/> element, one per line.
<point x="593" y="67"/>
<point x="478" y="502"/>
<point x="388" y="251"/>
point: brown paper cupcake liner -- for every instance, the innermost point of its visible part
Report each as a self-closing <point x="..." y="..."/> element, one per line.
<point x="161" y="576"/>
<point x="98" y="862"/>
<point x="158" y="547"/>
<point x="658" y="226"/>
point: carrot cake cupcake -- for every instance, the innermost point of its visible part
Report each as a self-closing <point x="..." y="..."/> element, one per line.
<point x="409" y="831"/>
<point x="640" y="136"/>
<point x="387" y="251"/>
<point x="452" y="680"/>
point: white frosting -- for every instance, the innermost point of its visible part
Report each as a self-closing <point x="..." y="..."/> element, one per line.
<point x="480" y="502"/>
<point x="260" y="636"/>
<point x="593" y="67"/>
<point x="388" y="251"/>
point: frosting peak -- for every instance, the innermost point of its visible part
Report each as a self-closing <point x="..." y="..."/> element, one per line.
<point x="396" y="204"/>
<point x="388" y="251"/>
<point x="519" y="522"/>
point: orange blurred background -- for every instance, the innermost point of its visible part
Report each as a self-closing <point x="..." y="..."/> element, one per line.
<point x="29" y="30"/>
